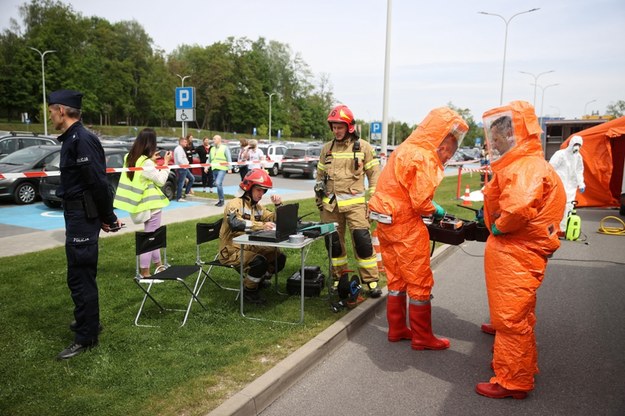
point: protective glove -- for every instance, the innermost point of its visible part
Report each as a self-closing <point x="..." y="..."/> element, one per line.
<point x="319" y="203"/>
<point x="439" y="213"/>
<point x="495" y="230"/>
<point x="582" y="189"/>
<point x="479" y="216"/>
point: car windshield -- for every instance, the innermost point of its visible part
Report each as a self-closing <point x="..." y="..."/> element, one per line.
<point x="295" y="153"/>
<point x="26" y="156"/>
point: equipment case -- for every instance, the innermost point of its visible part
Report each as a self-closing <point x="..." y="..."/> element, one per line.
<point x="314" y="282"/>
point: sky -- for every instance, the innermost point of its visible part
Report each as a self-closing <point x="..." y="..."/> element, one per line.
<point x="440" y="51"/>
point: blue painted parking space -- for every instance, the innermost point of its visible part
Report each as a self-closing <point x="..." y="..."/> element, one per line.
<point x="39" y="217"/>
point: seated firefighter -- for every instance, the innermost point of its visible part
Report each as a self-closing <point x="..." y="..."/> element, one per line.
<point x="245" y="213"/>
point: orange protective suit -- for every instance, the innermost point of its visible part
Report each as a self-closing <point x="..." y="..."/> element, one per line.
<point x="525" y="201"/>
<point x="404" y="192"/>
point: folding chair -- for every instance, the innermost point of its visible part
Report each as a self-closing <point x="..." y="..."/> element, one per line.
<point x="204" y="233"/>
<point x="148" y="241"/>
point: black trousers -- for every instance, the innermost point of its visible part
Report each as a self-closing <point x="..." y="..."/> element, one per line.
<point x="81" y="250"/>
<point x="207" y="178"/>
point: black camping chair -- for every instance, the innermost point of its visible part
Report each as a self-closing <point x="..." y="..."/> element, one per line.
<point x="204" y="233"/>
<point x="149" y="241"/>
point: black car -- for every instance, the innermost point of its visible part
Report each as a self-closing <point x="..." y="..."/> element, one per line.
<point x="24" y="190"/>
<point x="15" y="140"/>
<point x="114" y="159"/>
<point x="301" y="161"/>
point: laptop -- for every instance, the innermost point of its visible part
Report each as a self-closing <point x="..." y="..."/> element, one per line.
<point x="286" y="225"/>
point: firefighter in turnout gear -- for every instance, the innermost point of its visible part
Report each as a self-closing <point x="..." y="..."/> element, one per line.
<point x="247" y="214"/>
<point x="341" y="196"/>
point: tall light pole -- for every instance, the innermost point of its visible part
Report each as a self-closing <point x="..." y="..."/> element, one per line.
<point x="270" y="95"/>
<point x="505" y="43"/>
<point x="536" y="81"/>
<point x="586" y="105"/>
<point x="184" y="123"/>
<point x="43" y="82"/>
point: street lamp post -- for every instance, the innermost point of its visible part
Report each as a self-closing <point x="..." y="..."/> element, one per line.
<point x="270" y="95"/>
<point x="542" y="101"/>
<point x="536" y="81"/>
<point x="505" y="43"/>
<point x="184" y="123"/>
<point x="586" y="105"/>
<point x="43" y="82"/>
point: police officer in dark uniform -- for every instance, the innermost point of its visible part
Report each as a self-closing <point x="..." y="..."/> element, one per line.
<point x="88" y="206"/>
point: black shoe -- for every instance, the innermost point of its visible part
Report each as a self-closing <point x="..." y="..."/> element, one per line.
<point x="220" y="203"/>
<point x="74" y="326"/>
<point x="265" y="284"/>
<point x="374" y="290"/>
<point x="74" y="349"/>
<point x="252" y="296"/>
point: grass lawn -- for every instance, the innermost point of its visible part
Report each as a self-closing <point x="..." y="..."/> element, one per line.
<point x="145" y="371"/>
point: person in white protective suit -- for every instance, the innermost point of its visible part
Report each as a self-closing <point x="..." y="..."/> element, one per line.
<point x="569" y="165"/>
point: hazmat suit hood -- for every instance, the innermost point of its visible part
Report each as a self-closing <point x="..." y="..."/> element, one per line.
<point x="575" y="140"/>
<point x="414" y="169"/>
<point x="512" y="131"/>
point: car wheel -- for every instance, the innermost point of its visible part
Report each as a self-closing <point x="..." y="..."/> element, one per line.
<point x="169" y="189"/>
<point x="52" y="204"/>
<point x="25" y="193"/>
<point x="313" y="174"/>
<point x="274" y="171"/>
<point x="286" y="174"/>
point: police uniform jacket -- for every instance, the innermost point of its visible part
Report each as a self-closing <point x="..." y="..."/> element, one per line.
<point x="83" y="171"/>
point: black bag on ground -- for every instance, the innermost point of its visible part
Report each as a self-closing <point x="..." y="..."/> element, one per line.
<point x="314" y="282"/>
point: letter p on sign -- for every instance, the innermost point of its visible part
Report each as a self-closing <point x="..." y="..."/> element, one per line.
<point x="185" y="98"/>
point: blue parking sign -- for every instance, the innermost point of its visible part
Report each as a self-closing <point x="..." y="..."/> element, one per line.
<point x="376" y="127"/>
<point x="185" y="98"/>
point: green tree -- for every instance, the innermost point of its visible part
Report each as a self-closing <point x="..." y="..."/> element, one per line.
<point x="616" y="109"/>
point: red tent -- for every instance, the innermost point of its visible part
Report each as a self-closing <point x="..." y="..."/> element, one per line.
<point x="604" y="154"/>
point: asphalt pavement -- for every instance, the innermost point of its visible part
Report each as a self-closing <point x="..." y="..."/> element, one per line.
<point x="351" y="368"/>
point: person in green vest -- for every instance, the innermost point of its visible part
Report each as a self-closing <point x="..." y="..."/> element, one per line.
<point x="220" y="160"/>
<point x="139" y="191"/>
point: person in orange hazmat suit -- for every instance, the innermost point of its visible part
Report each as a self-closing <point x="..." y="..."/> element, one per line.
<point x="404" y="194"/>
<point x="523" y="205"/>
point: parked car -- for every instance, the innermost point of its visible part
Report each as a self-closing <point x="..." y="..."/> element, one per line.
<point x="292" y="163"/>
<point x="273" y="154"/>
<point x="33" y="158"/>
<point x="114" y="159"/>
<point x="12" y="141"/>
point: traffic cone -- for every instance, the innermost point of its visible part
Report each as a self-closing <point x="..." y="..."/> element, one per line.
<point x="378" y="253"/>
<point x="467" y="197"/>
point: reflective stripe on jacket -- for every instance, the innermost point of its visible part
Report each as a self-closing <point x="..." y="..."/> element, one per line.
<point x="140" y="194"/>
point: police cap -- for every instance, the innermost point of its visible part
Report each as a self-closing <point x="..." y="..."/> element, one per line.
<point x="69" y="98"/>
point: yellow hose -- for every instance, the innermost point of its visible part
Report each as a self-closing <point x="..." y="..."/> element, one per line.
<point x="603" y="229"/>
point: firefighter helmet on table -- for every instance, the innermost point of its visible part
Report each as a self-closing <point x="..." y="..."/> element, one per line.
<point x="256" y="177"/>
<point x="342" y="114"/>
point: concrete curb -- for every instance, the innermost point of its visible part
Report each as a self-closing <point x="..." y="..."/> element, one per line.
<point x="260" y="393"/>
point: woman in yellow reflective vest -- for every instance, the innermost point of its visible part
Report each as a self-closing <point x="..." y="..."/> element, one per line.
<point x="139" y="192"/>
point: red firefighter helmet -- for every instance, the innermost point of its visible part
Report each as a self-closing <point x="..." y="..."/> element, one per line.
<point x="258" y="177"/>
<point x="342" y="114"/>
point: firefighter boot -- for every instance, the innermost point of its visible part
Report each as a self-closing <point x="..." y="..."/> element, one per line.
<point x="396" y="317"/>
<point x="488" y="329"/>
<point x="495" y="391"/>
<point x="421" y="325"/>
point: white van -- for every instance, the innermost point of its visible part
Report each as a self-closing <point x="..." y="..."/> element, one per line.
<point x="273" y="154"/>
